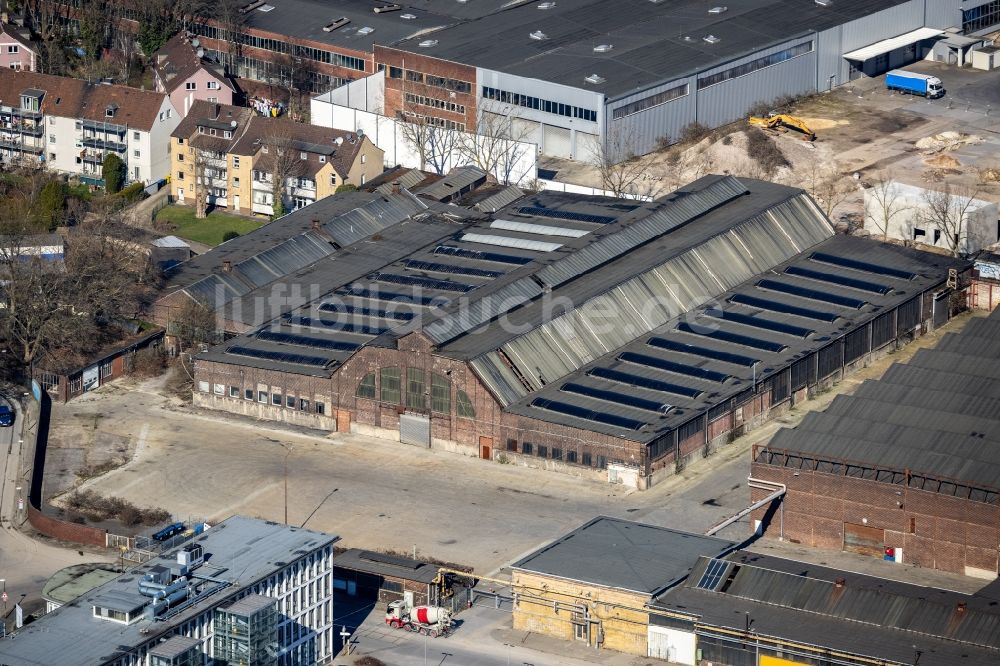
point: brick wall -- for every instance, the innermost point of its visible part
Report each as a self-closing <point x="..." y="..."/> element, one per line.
<point x="66" y="531"/>
<point x="934" y="530"/>
<point x="395" y="88"/>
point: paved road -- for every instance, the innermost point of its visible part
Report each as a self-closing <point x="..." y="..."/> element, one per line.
<point x="25" y="563"/>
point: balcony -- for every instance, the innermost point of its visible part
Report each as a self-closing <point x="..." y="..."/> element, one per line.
<point x="302" y="192"/>
<point x="10" y="112"/>
<point x="98" y="126"/>
<point x="13" y="144"/>
<point x="27" y="128"/>
<point x="265" y="209"/>
<point x="217" y="162"/>
<point x="100" y="144"/>
<point x="89" y="157"/>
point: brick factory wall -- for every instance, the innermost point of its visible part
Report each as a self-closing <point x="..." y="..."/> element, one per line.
<point x="934" y="530"/>
<point x="65" y="530"/>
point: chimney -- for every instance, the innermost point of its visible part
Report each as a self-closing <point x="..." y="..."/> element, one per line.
<point x="227" y="266"/>
<point x="395" y="187"/>
<point x="961" y="607"/>
<point x="314" y="225"/>
<point x="839" y="583"/>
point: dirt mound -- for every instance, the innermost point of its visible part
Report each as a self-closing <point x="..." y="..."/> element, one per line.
<point x="946" y="141"/>
<point x="824" y="123"/>
<point x="943" y="162"/>
<point x="989" y="175"/>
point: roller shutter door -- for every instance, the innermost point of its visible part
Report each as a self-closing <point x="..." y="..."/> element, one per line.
<point x="864" y="540"/>
<point x="557" y="142"/>
<point x="586" y="147"/>
<point x="415" y="429"/>
<point x="526" y="130"/>
<point x="677" y="647"/>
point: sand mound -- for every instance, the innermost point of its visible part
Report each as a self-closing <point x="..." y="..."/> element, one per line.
<point x="943" y="162"/>
<point x="824" y="123"/>
<point x="946" y="141"/>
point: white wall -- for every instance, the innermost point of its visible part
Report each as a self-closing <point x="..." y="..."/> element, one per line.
<point x="979" y="228"/>
<point x="154" y="161"/>
<point x="385" y="133"/>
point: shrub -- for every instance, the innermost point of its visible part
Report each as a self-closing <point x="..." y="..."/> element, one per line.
<point x="113" y="172"/>
<point x="369" y="661"/>
<point x="694" y="132"/>
<point x="765" y="151"/>
<point x="133" y="192"/>
<point x="48" y="209"/>
<point x="230" y="235"/>
<point x="346" y="187"/>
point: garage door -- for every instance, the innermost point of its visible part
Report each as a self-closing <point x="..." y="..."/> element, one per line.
<point x="863" y="539"/>
<point x="415" y="429"/>
<point x="556" y="142"/>
<point x="587" y="147"/>
<point x="526" y="130"/>
<point x="678" y="647"/>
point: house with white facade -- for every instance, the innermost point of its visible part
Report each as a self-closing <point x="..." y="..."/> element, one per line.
<point x="947" y="219"/>
<point x="71" y="125"/>
<point x="244" y="591"/>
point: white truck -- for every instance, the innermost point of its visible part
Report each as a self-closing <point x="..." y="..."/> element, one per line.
<point x="427" y="620"/>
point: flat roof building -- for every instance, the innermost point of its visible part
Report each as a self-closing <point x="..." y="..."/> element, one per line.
<point x="908" y="464"/>
<point x="125" y="621"/>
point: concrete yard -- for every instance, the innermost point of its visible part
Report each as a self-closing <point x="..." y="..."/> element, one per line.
<point x="382" y="494"/>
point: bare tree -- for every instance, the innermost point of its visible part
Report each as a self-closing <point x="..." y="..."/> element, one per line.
<point x="949" y="210"/>
<point x="434" y="145"/>
<point x="828" y="188"/>
<point x="280" y="159"/>
<point x="194" y="323"/>
<point x="884" y="204"/>
<point x="232" y="18"/>
<point x="622" y="172"/>
<point x="497" y="146"/>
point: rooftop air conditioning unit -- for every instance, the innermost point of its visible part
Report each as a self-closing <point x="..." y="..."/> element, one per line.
<point x="339" y="23"/>
<point x="718" y="10"/>
<point x="408" y="17"/>
<point x="711" y="39"/>
<point x="596" y="79"/>
<point x="538" y="35"/>
<point x="387" y="8"/>
<point x="427" y="43"/>
<point x="603" y="48"/>
<point x="367" y="30"/>
<point x="546" y="5"/>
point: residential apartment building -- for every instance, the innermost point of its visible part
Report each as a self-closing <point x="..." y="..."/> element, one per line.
<point x="182" y="70"/>
<point x="244" y="587"/>
<point x="231" y="156"/>
<point x="71" y="125"/>
<point x="17" y="51"/>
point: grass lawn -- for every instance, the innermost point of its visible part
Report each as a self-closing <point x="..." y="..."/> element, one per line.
<point x="209" y="230"/>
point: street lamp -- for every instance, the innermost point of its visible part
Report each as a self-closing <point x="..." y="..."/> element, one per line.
<point x="288" y="452"/>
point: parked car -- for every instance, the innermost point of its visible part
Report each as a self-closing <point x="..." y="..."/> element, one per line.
<point x="6" y="416"/>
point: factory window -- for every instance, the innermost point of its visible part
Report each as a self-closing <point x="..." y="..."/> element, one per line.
<point x="395" y="73"/>
<point x="539" y="104"/>
<point x="651" y="101"/>
<point x="557" y="454"/>
<point x="276" y="399"/>
<point x="434" y="102"/>
<point x="290" y="401"/>
<point x="440" y="393"/>
<point x="389" y="381"/>
<point x="392" y="586"/>
<point x="366" y="387"/>
<point x="303" y="405"/>
<point x="543" y="451"/>
<point x="248" y="394"/>
<point x="234" y="392"/>
<point x="913" y="525"/>
<point x="602" y="462"/>
<point x="262" y="396"/>
<point x="416" y="77"/>
<point x="689" y="429"/>
<point x="586" y="459"/>
<point x="220" y="389"/>
<point x="512" y="445"/>
<point x="571" y="456"/>
<point x="463" y="406"/>
<point x="981" y="17"/>
<point x="660" y="447"/>
<point x="203" y="387"/>
<point x="416" y="384"/>
<point x="755" y="65"/>
<point x="320" y="408"/>
<point x="526" y="448"/>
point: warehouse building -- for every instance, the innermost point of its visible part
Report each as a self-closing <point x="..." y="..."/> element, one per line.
<point x="563" y="331"/>
<point x="905" y="466"/>
<point x="245" y="591"/>
<point x="691" y="599"/>
<point x="588" y="76"/>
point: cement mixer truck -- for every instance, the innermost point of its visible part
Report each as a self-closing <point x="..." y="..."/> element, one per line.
<point x="427" y="620"/>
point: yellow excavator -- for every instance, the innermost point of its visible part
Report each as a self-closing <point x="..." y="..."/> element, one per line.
<point x="780" y="122"/>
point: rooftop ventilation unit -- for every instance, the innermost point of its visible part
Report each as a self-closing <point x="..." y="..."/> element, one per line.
<point x="824" y="3"/>
<point x="718" y="10"/>
<point x="245" y="9"/>
<point x="428" y="43"/>
<point x="688" y="38"/>
<point x="711" y="39"/>
<point x="339" y="23"/>
<point x="367" y="30"/>
<point x="603" y="48"/>
<point x="546" y="5"/>
<point x="387" y="8"/>
<point x="408" y="17"/>
<point x="596" y="79"/>
<point x="538" y="35"/>
<point x="266" y="8"/>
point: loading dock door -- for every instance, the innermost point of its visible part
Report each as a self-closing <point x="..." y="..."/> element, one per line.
<point x="415" y="429"/>
<point x="557" y="142"/>
<point x="864" y="540"/>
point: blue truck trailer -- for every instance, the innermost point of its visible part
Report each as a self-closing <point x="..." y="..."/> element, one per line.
<point x="914" y="84"/>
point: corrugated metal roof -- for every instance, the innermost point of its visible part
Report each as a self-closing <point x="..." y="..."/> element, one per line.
<point x="284" y="259"/>
<point x="406" y="181"/>
<point x="503" y="198"/>
<point x="372" y="217"/>
<point x="457" y="180"/>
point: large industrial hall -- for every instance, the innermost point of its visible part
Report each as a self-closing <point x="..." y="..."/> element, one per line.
<point x="562" y="331"/>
